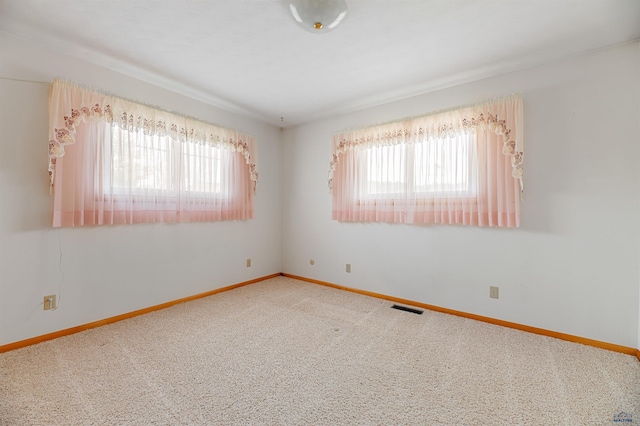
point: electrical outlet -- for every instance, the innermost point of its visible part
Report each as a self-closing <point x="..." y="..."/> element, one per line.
<point x="494" y="292"/>
<point x="49" y="302"/>
<point x="348" y="268"/>
<point x="248" y="263"/>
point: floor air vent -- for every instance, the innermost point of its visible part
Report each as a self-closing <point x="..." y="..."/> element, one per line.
<point x="407" y="309"/>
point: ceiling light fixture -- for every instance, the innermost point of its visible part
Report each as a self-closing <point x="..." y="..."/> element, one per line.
<point x="318" y="16"/>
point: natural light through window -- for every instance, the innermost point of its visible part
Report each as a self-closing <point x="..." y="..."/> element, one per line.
<point x="384" y="175"/>
<point x="114" y="161"/>
<point x="156" y="165"/>
<point x="439" y="167"/>
<point x="460" y="166"/>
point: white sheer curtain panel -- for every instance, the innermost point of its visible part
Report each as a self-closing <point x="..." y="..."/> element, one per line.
<point x="462" y="166"/>
<point x="114" y="161"/>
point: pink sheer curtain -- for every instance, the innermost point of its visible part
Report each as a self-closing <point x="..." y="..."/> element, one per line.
<point x="462" y="166"/>
<point x="113" y="161"/>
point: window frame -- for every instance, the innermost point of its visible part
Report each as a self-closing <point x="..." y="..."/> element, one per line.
<point x="410" y="173"/>
<point x="169" y="196"/>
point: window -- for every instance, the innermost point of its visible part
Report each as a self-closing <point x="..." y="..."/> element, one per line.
<point x="435" y="167"/>
<point x="463" y="166"/>
<point x="113" y="161"/>
<point x="158" y="166"/>
<point x="445" y="167"/>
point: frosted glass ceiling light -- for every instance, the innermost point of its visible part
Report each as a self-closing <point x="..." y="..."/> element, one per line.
<point x="318" y="16"/>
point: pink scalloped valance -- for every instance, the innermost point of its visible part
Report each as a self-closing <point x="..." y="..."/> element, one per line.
<point x="71" y="105"/>
<point x="502" y="116"/>
<point x="113" y="161"/>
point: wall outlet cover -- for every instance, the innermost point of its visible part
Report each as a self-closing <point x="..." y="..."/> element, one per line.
<point x="494" y="292"/>
<point x="49" y="302"/>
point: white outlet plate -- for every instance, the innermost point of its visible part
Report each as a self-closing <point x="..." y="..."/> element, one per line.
<point x="494" y="292"/>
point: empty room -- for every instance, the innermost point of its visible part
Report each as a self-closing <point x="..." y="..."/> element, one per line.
<point x="323" y="212"/>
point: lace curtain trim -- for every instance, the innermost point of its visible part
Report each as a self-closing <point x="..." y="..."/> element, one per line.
<point x="502" y="116"/>
<point x="76" y="105"/>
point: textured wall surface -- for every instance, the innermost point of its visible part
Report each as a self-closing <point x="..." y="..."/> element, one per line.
<point x="110" y="270"/>
<point x="571" y="267"/>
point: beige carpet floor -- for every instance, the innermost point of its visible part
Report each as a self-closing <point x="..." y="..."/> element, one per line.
<point x="285" y="352"/>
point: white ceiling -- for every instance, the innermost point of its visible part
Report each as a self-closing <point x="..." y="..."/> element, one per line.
<point x="249" y="56"/>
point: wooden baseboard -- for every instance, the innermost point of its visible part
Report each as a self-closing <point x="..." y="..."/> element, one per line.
<point x="535" y="330"/>
<point x="111" y="320"/>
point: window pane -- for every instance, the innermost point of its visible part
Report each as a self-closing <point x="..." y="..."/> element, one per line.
<point x="202" y="169"/>
<point x="443" y="165"/>
<point x="433" y="167"/>
<point x="140" y="162"/>
<point x="155" y="165"/>
<point x="386" y="169"/>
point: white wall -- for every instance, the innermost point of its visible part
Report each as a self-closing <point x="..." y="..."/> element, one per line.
<point x="571" y="267"/>
<point x="109" y="270"/>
